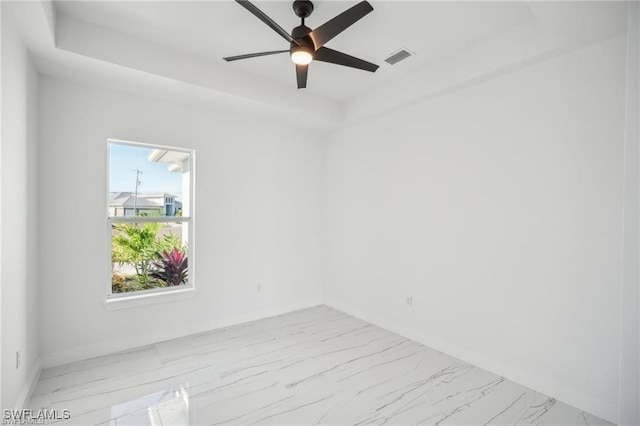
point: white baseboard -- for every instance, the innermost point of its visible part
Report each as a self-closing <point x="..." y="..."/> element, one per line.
<point x="601" y="408"/>
<point x="27" y="391"/>
<point x="118" y="345"/>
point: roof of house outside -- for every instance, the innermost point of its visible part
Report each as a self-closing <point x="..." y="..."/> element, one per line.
<point x="126" y="199"/>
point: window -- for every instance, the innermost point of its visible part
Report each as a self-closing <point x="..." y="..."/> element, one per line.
<point x="150" y="216"/>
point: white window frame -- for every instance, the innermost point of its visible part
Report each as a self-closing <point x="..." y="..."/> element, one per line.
<point x="115" y="301"/>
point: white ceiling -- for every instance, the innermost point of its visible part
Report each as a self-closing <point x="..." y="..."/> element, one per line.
<point x="214" y="30"/>
<point x="174" y="49"/>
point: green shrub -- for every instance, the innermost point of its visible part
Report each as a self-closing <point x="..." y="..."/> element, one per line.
<point x="139" y="245"/>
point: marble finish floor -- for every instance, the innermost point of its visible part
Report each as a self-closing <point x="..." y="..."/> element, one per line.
<point x="316" y="366"/>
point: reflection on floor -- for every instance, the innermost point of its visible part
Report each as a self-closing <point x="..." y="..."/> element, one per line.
<point x="316" y="366"/>
<point x="167" y="407"/>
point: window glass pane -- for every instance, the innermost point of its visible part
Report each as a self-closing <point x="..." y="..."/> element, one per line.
<point x="146" y="181"/>
<point x="148" y="255"/>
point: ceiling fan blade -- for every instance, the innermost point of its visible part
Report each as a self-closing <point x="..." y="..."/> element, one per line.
<point x="264" y="18"/>
<point x="253" y="55"/>
<point x="301" y="75"/>
<point x="325" y="54"/>
<point x="335" y="26"/>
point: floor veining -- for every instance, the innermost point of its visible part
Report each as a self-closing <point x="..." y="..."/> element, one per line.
<point x="316" y="366"/>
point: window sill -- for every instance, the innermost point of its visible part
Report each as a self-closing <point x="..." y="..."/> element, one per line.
<point x="116" y="303"/>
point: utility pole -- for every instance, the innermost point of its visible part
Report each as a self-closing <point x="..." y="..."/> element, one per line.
<point x="135" y="197"/>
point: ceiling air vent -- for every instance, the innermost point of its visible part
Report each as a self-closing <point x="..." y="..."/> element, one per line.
<point x="398" y="56"/>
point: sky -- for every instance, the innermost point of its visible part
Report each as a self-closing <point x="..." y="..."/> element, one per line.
<point x="155" y="178"/>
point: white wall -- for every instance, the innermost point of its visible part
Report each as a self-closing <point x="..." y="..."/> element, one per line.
<point x="629" y="406"/>
<point x="257" y="216"/>
<point x="498" y="208"/>
<point x="19" y="208"/>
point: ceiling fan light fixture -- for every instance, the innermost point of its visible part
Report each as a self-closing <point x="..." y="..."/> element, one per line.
<point x="301" y="55"/>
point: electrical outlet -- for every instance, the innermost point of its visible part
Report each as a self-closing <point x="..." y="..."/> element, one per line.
<point x="410" y="301"/>
<point x="17" y="359"/>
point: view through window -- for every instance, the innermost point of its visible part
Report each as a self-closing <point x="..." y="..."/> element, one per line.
<point x="149" y="217"/>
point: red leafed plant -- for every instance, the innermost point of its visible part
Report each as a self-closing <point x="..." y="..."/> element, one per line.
<point x="171" y="267"/>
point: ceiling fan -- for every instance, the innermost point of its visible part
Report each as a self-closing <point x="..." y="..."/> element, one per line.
<point x="307" y="45"/>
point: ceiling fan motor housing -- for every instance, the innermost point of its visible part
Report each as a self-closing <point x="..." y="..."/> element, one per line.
<point x="301" y="36"/>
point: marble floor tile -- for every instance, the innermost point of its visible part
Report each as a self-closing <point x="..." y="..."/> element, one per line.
<point x="316" y="366"/>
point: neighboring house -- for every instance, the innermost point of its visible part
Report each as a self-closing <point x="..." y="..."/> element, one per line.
<point x="124" y="203"/>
